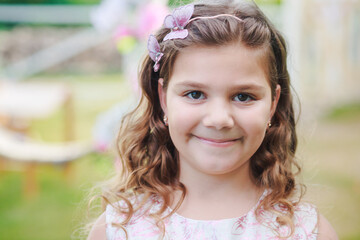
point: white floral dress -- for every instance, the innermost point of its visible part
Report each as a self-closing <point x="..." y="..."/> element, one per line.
<point x="177" y="227"/>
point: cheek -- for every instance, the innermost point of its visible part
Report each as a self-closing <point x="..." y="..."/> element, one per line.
<point x="179" y="110"/>
<point x="255" y="120"/>
<point x="182" y="118"/>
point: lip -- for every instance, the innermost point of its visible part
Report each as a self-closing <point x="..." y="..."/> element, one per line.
<point x="218" y="142"/>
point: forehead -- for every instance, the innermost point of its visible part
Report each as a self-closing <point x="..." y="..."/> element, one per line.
<point x="223" y="64"/>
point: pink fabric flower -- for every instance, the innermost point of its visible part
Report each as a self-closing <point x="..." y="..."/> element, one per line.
<point x="154" y="51"/>
<point x="177" y="22"/>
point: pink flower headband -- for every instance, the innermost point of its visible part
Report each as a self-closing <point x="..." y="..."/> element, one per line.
<point x="177" y="22"/>
<point x="154" y="51"/>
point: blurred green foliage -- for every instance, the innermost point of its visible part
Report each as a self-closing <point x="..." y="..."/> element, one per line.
<point x="278" y="2"/>
<point x="182" y="2"/>
<point x="178" y="2"/>
<point x="349" y="112"/>
<point x="171" y="2"/>
<point x="50" y="1"/>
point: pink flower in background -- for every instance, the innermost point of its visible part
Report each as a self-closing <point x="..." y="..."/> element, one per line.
<point x="151" y="17"/>
<point x="123" y="31"/>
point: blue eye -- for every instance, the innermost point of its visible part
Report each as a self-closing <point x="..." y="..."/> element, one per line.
<point x="196" y="95"/>
<point x="242" y="97"/>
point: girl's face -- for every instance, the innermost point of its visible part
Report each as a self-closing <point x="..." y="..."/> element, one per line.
<point x="218" y="104"/>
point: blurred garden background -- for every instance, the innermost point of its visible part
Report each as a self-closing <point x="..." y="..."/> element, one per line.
<point x="68" y="74"/>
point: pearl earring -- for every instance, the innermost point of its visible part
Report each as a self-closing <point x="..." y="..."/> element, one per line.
<point x="166" y="120"/>
<point x="269" y="124"/>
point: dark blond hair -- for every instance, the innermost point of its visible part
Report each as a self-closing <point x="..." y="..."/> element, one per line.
<point x="150" y="164"/>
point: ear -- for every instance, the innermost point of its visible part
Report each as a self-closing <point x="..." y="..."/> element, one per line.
<point x="162" y="95"/>
<point x="275" y="101"/>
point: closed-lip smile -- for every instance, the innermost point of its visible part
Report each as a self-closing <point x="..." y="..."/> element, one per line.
<point x="218" y="142"/>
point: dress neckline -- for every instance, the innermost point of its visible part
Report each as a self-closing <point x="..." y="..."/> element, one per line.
<point x="263" y="195"/>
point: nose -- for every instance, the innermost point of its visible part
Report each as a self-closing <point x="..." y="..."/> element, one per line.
<point x="218" y="115"/>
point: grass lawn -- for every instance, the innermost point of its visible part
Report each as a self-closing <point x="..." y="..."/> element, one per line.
<point x="54" y="213"/>
<point x="58" y="208"/>
<point x="329" y="153"/>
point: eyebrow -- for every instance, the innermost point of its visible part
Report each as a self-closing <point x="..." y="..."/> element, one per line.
<point x="246" y="86"/>
<point x="191" y="84"/>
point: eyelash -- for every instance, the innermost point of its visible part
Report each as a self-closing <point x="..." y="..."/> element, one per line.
<point x="188" y="94"/>
<point x="248" y="96"/>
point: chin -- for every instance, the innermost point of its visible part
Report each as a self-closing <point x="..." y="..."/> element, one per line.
<point x="217" y="166"/>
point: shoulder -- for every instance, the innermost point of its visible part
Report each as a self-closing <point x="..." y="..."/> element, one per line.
<point x="308" y="217"/>
<point x="98" y="231"/>
<point x="119" y="223"/>
<point x="326" y="231"/>
<point x="139" y="205"/>
<point x="105" y="225"/>
<point x="308" y="211"/>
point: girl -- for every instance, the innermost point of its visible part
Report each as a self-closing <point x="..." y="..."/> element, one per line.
<point x="209" y="151"/>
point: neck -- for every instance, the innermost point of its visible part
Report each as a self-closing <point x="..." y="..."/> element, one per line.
<point x="231" y="194"/>
<point x="211" y="186"/>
